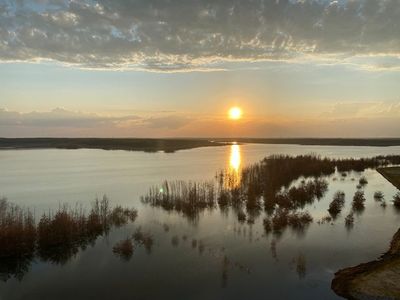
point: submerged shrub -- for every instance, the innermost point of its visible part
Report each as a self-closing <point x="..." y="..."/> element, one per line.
<point x="337" y="203"/>
<point x="363" y="180"/>
<point x="349" y="220"/>
<point x="378" y="195"/>
<point x="124" y="249"/>
<point x="358" y="201"/>
<point x="144" y="239"/>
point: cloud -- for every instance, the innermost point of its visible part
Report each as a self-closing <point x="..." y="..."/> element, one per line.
<point x="379" y="109"/>
<point x="168" y="122"/>
<point x="60" y="122"/>
<point x="58" y="117"/>
<point x="195" y="34"/>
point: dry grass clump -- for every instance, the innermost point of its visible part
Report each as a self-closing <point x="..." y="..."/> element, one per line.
<point x="336" y="206"/>
<point x="358" y="203"/>
<point x="124" y="249"/>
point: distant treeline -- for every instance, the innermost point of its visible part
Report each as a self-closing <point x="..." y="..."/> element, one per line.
<point x="147" y="145"/>
<point x="381" y="142"/>
<point x="172" y="145"/>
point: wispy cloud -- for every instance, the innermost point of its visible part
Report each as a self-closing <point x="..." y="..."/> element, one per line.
<point x="186" y="35"/>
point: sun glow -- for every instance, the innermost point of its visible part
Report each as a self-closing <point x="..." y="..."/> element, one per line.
<point x="235" y="113"/>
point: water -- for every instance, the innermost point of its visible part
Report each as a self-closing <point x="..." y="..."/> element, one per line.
<point x="230" y="260"/>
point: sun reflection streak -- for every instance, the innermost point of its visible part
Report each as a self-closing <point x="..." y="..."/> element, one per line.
<point x="235" y="161"/>
<point x="235" y="158"/>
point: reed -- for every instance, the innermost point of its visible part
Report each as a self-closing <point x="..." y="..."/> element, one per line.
<point x="262" y="185"/>
<point x="58" y="235"/>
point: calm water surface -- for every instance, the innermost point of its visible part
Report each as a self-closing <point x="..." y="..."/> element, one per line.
<point x="215" y="257"/>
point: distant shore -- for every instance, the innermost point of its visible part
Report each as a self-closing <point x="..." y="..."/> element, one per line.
<point x="378" y="142"/>
<point x="175" y="144"/>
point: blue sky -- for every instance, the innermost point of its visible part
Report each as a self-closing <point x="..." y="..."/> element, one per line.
<point x="144" y="68"/>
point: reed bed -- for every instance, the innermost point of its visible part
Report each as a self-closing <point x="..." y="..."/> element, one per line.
<point x="262" y="185"/>
<point x="58" y="235"/>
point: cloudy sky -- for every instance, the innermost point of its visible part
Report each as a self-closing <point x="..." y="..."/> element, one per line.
<point x="163" y="68"/>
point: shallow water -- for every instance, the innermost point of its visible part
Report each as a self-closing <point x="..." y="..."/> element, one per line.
<point x="230" y="260"/>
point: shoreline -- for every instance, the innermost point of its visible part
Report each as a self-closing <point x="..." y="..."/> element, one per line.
<point x="376" y="279"/>
<point x="170" y="145"/>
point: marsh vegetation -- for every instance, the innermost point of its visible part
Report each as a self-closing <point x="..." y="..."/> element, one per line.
<point x="57" y="236"/>
<point x="269" y="186"/>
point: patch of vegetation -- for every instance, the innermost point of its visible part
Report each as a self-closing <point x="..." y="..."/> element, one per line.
<point x="379" y="196"/>
<point x="335" y="207"/>
<point x="358" y="203"/>
<point x="124" y="249"/>
<point x="396" y="200"/>
<point x="57" y="236"/>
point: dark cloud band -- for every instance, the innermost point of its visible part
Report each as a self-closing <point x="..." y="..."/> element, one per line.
<point x="183" y="35"/>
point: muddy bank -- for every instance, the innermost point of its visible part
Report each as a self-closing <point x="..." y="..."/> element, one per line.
<point x="377" y="279"/>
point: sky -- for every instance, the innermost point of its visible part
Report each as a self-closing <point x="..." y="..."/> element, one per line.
<point x="173" y="68"/>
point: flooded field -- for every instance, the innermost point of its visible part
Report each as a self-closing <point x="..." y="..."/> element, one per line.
<point x="339" y="218"/>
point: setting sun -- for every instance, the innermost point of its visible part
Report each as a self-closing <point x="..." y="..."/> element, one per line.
<point x="235" y="113"/>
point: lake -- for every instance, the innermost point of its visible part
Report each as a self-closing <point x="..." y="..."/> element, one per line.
<point x="213" y="257"/>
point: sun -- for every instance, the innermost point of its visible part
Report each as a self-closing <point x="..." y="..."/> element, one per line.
<point x="235" y="113"/>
